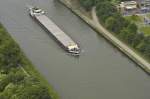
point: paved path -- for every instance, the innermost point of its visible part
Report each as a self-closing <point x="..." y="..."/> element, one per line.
<point x="142" y="62"/>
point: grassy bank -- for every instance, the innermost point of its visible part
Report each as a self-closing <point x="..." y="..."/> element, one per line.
<point x="18" y="77"/>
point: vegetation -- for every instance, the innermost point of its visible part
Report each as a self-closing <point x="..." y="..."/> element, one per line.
<point x="87" y="4"/>
<point x="145" y="30"/>
<point x="134" y="18"/>
<point x="123" y="28"/>
<point x="143" y="27"/>
<point x="15" y="82"/>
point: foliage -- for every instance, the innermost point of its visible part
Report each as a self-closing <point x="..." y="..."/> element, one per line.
<point x="105" y="10"/>
<point x="145" y="30"/>
<point x="87" y="4"/>
<point x="134" y="18"/>
<point x="16" y="84"/>
<point x="33" y="92"/>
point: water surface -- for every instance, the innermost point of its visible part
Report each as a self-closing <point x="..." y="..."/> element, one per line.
<point x="101" y="72"/>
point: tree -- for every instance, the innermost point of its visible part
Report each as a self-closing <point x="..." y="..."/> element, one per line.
<point x="87" y="4"/>
<point x="2" y="96"/>
<point x="110" y="22"/>
<point x="132" y="28"/>
<point x="145" y="47"/>
<point x="139" y="37"/>
<point x="34" y="92"/>
<point x="105" y="10"/>
<point x="10" y="55"/>
<point x="127" y="36"/>
<point x="16" y="77"/>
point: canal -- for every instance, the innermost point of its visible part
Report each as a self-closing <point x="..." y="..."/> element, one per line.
<point x="101" y="72"/>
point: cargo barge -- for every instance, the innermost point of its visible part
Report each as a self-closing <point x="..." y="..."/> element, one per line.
<point x="68" y="44"/>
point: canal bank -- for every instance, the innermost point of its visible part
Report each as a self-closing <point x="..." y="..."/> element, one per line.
<point x="114" y="40"/>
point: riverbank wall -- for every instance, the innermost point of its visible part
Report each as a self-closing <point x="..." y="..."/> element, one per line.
<point x="145" y="65"/>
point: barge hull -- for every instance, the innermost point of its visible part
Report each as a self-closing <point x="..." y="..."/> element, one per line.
<point x="51" y="27"/>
